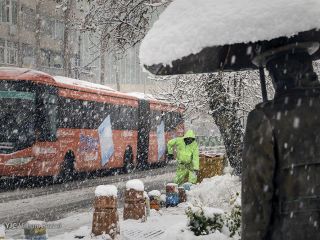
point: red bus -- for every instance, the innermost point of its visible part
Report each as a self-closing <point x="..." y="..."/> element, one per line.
<point x="55" y="126"/>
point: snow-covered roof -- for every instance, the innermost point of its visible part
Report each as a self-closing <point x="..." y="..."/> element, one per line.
<point x="81" y="83"/>
<point x="188" y="26"/>
<point x="135" y="184"/>
<point x="106" y="191"/>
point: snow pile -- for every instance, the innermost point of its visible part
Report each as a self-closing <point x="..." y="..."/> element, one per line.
<point x="154" y="193"/>
<point x="214" y="207"/>
<point x="216" y="192"/>
<point x="83" y="233"/>
<point x="135" y="184"/>
<point x="35" y="224"/>
<point x="2" y="231"/>
<point x="106" y="191"/>
<point x="81" y="83"/>
<point x="188" y="26"/>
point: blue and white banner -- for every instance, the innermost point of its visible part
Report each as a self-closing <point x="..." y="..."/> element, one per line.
<point x="106" y="141"/>
<point x="161" y="140"/>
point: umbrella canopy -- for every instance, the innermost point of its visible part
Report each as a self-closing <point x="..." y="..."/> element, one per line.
<point x="211" y="35"/>
<point x="233" y="57"/>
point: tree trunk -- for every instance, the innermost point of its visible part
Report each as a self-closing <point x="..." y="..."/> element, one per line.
<point x="225" y="115"/>
<point x="19" y="23"/>
<point x="103" y="49"/>
<point x="66" y="40"/>
<point x="38" y="34"/>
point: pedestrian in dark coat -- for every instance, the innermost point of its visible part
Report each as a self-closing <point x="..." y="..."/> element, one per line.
<point x="281" y="158"/>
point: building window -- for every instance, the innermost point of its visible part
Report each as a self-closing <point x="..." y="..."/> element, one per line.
<point x="8" y="52"/>
<point x="28" y="56"/>
<point x="51" y="59"/>
<point x="12" y="52"/>
<point x="59" y="30"/>
<point x="28" y="18"/>
<point x="2" y="48"/>
<point x="9" y="11"/>
<point x="48" y="26"/>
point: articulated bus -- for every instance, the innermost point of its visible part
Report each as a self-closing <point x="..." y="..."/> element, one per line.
<point x="56" y="126"/>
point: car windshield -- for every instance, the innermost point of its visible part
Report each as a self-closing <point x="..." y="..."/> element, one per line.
<point x="17" y="118"/>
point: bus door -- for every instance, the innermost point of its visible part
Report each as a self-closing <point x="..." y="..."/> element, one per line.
<point x="144" y="126"/>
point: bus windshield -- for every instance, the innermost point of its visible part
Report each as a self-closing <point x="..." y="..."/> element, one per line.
<point x="17" y="119"/>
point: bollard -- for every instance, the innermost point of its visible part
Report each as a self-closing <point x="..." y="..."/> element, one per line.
<point x="163" y="200"/>
<point x="105" y="216"/>
<point x="134" y="203"/>
<point x="35" y="230"/>
<point x="147" y="205"/>
<point x="154" y="199"/>
<point x="2" y="232"/>
<point x="182" y="194"/>
<point x="172" y="195"/>
<point x="187" y="186"/>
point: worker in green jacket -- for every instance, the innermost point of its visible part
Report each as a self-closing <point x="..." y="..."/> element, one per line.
<point x="187" y="156"/>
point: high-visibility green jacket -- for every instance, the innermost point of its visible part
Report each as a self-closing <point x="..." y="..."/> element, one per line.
<point x="186" y="154"/>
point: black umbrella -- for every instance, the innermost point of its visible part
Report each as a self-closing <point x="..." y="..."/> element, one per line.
<point x="237" y="57"/>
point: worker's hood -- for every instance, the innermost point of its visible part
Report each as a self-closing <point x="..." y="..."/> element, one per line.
<point x="189" y="134"/>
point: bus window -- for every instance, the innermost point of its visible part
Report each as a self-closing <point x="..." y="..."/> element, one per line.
<point x="48" y="117"/>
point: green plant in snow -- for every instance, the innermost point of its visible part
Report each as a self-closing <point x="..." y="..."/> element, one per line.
<point x="233" y="220"/>
<point x="204" y="220"/>
<point x="201" y="224"/>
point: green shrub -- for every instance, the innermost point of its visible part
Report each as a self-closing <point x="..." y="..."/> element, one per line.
<point x="204" y="220"/>
<point x="201" y="224"/>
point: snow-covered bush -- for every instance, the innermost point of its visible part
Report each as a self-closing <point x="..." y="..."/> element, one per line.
<point x="215" y="205"/>
<point x="206" y="220"/>
<point x="203" y="223"/>
<point x="233" y="221"/>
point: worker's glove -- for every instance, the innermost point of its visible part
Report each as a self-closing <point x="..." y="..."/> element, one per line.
<point x="170" y="157"/>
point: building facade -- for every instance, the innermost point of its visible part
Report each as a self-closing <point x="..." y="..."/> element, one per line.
<point x="32" y="35"/>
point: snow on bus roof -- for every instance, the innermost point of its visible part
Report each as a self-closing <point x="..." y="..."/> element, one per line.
<point x="19" y="71"/>
<point x="81" y="83"/>
<point x="141" y="95"/>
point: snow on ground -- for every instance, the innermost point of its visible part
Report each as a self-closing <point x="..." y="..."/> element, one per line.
<point x="188" y="26"/>
<point x="2" y="231"/>
<point x="169" y="223"/>
<point x="216" y="192"/>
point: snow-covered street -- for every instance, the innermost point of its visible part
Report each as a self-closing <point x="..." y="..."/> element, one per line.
<point x="220" y="192"/>
<point x="54" y="202"/>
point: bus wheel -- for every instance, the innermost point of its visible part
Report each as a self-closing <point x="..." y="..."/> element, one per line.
<point x="128" y="160"/>
<point x="67" y="172"/>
